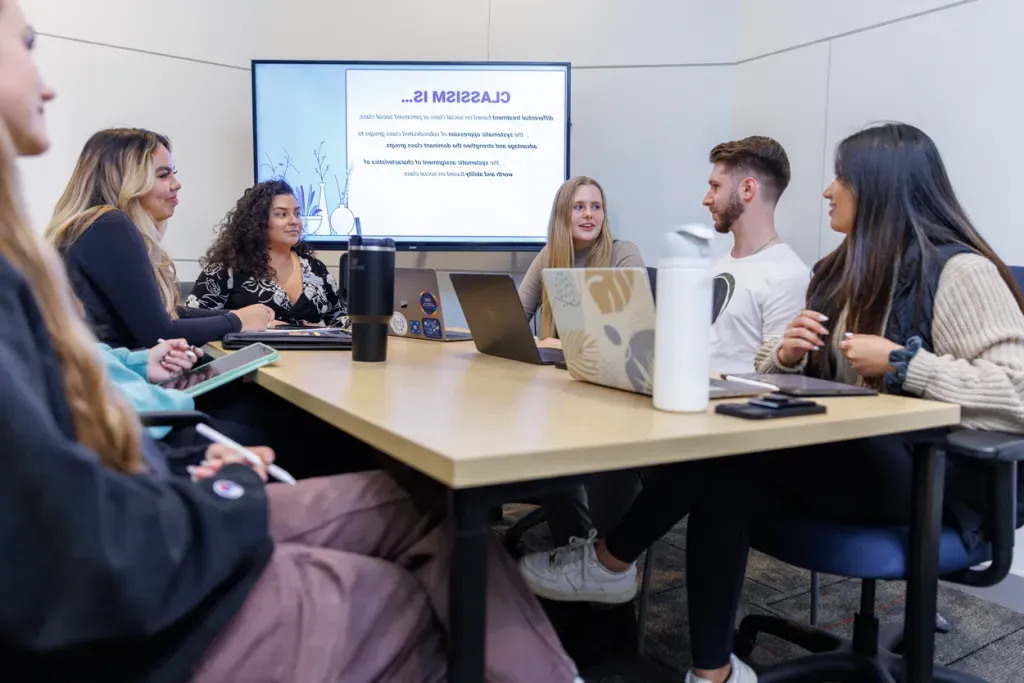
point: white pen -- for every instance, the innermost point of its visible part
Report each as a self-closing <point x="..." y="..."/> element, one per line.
<point x="216" y="437"/>
<point x="751" y="382"/>
<point x="189" y="351"/>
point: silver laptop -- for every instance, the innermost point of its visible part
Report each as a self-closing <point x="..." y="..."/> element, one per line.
<point x="605" y="319"/>
<point x="418" y="312"/>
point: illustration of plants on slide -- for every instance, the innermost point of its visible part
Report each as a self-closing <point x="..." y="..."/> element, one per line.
<point x="316" y="220"/>
<point x="279" y="170"/>
<point x="312" y="214"/>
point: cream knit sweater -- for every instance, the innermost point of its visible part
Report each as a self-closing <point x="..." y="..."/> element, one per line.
<point x="978" y="340"/>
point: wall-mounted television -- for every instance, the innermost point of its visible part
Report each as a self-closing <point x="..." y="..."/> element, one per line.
<point x="438" y="156"/>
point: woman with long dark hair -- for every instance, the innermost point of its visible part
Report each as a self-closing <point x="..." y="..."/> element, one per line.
<point x="913" y="302"/>
<point x="259" y="257"/>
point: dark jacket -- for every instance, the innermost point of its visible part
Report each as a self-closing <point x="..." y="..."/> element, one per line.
<point x="107" y="577"/>
<point x="917" y="282"/>
<point x="111" y="273"/>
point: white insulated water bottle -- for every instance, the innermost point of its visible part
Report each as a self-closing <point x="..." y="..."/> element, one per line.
<point x="682" y="339"/>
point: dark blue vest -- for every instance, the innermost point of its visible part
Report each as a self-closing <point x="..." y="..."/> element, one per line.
<point x="914" y="294"/>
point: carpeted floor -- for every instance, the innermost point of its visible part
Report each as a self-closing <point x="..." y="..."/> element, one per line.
<point x="986" y="640"/>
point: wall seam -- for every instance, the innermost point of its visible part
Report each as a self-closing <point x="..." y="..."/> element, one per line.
<point x="153" y="53"/>
<point x="853" y="32"/>
<point x="490" y="4"/>
<point x="824" y="143"/>
<point x="680" y="65"/>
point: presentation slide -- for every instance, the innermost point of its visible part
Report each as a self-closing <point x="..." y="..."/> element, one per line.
<point x="421" y="153"/>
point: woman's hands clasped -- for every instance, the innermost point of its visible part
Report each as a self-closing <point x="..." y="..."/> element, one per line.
<point x="868" y="354"/>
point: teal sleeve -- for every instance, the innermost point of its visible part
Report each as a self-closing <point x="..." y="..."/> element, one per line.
<point x="137" y="362"/>
<point x="143" y="396"/>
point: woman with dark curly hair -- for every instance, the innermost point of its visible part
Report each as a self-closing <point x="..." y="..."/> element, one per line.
<point x="259" y="258"/>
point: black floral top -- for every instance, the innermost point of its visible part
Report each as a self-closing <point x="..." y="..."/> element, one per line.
<point x="218" y="287"/>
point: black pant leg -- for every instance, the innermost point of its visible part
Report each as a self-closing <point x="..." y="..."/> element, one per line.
<point x="866" y="482"/>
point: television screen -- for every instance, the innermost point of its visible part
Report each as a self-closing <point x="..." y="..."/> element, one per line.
<point x="435" y="156"/>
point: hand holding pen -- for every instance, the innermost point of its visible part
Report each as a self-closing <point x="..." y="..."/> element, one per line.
<point x="225" y="451"/>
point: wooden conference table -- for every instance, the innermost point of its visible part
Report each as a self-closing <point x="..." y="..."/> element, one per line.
<point x="494" y="431"/>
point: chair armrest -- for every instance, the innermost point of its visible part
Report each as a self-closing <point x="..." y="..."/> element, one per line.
<point x="1000" y="452"/>
<point x="998" y="446"/>
<point x="173" y="418"/>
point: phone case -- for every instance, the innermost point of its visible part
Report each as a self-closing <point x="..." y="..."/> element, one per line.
<point x="231" y="375"/>
<point x="754" y="412"/>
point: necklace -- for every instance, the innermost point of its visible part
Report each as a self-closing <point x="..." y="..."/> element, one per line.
<point x="759" y="249"/>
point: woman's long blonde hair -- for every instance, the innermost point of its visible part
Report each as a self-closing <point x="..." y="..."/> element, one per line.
<point x="561" y="253"/>
<point x="114" y="170"/>
<point x="102" y="421"/>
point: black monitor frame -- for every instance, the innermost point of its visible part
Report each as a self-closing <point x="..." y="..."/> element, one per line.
<point x="431" y="245"/>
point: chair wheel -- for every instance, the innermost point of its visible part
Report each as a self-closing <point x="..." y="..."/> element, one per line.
<point x="942" y="624"/>
<point x="743" y="645"/>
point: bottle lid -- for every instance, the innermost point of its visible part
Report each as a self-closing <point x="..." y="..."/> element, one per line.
<point x="686" y="243"/>
<point x="360" y="243"/>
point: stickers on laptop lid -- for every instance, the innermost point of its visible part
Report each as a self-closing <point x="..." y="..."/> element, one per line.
<point x="414" y="327"/>
<point x="431" y="328"/>
<point x="428" y="303"/>
<point x="399" y="325"/>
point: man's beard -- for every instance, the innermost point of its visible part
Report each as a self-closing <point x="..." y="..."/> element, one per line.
<point x="730" y="214"/>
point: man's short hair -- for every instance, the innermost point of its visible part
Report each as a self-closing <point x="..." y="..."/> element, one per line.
<point x="757" y="156"/>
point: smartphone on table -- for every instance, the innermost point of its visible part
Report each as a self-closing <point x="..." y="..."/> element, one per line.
<point x="771" y="407"/>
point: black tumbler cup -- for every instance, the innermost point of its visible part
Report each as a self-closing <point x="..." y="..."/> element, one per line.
<point x="371" y="296"/>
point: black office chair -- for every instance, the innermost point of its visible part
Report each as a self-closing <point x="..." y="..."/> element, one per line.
<point x="185" y="288"/>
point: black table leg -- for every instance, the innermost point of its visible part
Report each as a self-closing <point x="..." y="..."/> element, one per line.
<point x="923" y="581"/>
<point x="467" y="606"/>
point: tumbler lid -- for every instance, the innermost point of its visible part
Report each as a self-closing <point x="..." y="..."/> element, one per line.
<point x="359" y="243"/>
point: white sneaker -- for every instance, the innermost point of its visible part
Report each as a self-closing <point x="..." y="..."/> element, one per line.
<point x="741" y="673"/>
<point x="572" y="573"/>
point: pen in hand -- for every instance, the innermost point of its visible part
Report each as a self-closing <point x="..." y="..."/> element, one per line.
<point x="189" y="352"/>
<point x="216" y="437"/>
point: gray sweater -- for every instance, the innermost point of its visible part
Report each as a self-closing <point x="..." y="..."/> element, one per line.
<point x="624" y="255"/>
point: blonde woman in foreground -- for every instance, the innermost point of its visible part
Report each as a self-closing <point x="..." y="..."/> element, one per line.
<point x="108" y="225"/>
<point x="126" y="574"/>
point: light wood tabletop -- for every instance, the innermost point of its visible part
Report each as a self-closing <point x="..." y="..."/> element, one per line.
<point x="467" y="419"/>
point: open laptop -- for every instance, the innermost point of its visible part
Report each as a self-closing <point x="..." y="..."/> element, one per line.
<point x="605" y="319"/>
<point x="497" y="320"/>
<point x="418" y="311"/>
